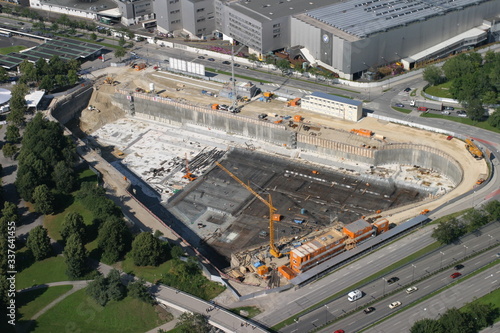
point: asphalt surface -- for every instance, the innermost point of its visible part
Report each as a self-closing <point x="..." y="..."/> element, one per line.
<point x="428" y="268"/>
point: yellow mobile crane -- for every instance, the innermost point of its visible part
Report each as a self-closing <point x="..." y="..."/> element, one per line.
<point x="272" y="215"/>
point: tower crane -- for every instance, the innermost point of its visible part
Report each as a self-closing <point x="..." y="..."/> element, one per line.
<point x="272" y="215"/>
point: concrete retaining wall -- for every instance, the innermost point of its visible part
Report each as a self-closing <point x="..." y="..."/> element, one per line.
<point x="70" y="106"/>
<point x="180" y="114"/>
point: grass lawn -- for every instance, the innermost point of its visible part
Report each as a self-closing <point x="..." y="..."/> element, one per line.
<point x="481" y="124"/>
<point x="196" y="285"/>
<point x="31" y="302"/>
<point x="68" y="204"/>
<point x="493" y="298"/>
<point x="79" y="312"/>
<point x="442" y="90"/>
<point x="403" y="110"/>
<point x="252" y="311"/>
<point x="52" y="269"/>
<point x="11" y="49"/>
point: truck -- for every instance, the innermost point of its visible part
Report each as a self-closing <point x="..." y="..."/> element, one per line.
<point x="432" y="105"/>
<point x="354" y="295"/>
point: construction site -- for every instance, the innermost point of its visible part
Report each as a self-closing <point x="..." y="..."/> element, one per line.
<point x="258" y="193"/>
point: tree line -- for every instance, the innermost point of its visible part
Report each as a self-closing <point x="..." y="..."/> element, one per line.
<point x="475" y="81"/>
<point x="448" y="231"/>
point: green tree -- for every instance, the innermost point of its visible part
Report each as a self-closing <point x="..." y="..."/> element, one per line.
<point x="427" y="326"/>
<point x="433" y="75"/>
<point x="116" y="289"/>
<point x="494" y="119"/>
<point x="475" y="219"/>
<point x="120" y="53"/>
<point x="463" y="63"/>
<point x="455" y="321"/>
<point x="47" y="83"/>
<point x="283" y="65"/>
<point x="64" y="20"/>
<point x="138" y="289"/>
<point x="12" y="134"/>
<point x="73" y="225"/>
<point x="483" y="314"/>
<point x="493" y="210"/>
<point x="72" y="77"/>
<point x="10" y="211"/>
<point x="97" y="289"/>
<point x="447" y="231"/>
<point x="147" y="250"/>
<point x="113" y="239"/>
<point x="3" y="74"/>
<point x="121" y="42"/>
<point x="64" y="177"/>
<point x="9" y="150"/>
<point x="192" y="322"/>
<point x="75" y="257"/>
<point x="54" y="27"/>
<point x="44" y="199"/>
<point x="38" y="243"/>
<point x="18" y="104"/>
<point x="176" y="251"/>
<point x="474" y="108"/>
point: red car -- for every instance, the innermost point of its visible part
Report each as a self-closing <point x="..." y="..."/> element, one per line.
<point x="339" y="331"/>
<point x="455" y="275"/>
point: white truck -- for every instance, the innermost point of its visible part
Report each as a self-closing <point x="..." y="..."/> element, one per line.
<point x="427" y="104"/>
<point x="354" y="295"/>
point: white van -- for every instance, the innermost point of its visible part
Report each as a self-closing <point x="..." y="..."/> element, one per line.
<point x="354" y="295"/>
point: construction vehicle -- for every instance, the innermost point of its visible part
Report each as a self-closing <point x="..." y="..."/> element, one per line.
<point x="188" y="175"/>
<point x="293" y="102"/>
<point x="362" y="132"/>
<point x="297" y="118"/>
<point x="109" y="80"/>
<point x="267" y="94"/>
<point x="473" y="149"/>
<point x="427" y="104"/>
<point x="272" y="215"/>
<point x="424" y="212"/>
<point x="480" y="181"/>
<point x="215" y="106"/>
<point x="140" y="66"/>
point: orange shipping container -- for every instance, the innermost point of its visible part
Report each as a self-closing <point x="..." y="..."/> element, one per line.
<point x="215" y="106"/>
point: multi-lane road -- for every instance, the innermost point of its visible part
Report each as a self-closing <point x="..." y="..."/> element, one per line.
<point x="421" y="272"/>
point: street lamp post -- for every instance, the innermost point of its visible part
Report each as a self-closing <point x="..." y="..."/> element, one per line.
<point x="465" y="250"/>
<point x="413" y="273"/>
<point x="326" y="313"/>
<point x="491" y="238"/>
<point x="442" y="255"/>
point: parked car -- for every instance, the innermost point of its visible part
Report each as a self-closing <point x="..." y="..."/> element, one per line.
<point x="369" y="310"/>
<point x="339" y="331"/>
<point x="455" y="275"/>
<point x="463" y="115"/>
<point x="393" y="280"/>
<point x="458" y="267"/>
<point x="411" y="290"/>
<point x="399" y="105"/>
<point x="223" y="107"/>
<point x="237" y="65"/>
<point x="201" y="57"/>
<point x="226" y="62"/>
<point x="394" y="304"/>
<point x="211" y="59"/>
<point x="451" y="108"/>
<point x="407" y="89"/>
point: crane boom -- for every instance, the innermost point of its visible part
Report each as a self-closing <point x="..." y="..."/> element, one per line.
<point x="273" y="250"/>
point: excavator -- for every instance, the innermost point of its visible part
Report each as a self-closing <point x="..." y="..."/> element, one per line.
<point x="188" y="175"/>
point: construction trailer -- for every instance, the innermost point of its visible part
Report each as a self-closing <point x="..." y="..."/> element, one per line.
<point x="330" y="244"/>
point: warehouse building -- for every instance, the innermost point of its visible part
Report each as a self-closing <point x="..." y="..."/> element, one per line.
<point x="335" y="106"/>
<point x="350" y="37"/>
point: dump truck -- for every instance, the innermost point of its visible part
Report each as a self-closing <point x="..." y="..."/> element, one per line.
<point x="432" y="105"/>
<point x="473" y="149"/>
<point x="215" y="106"/>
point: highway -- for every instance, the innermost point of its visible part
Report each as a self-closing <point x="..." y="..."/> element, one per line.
<point x="408" y="275"/>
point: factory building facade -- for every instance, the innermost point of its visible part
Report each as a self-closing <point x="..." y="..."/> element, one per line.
<point x="350" y="37"/>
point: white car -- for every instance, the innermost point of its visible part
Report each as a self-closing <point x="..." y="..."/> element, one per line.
<point x="411" y="290"/>
<point x="394" y="304"/>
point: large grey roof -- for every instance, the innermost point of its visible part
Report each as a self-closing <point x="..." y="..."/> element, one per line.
<point x="336" y="98"/>
<point x="365" y="17"/>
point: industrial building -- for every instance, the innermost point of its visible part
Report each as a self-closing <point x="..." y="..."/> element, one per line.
<point x="335" y="106"/>
<point x="350" y="37"/>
